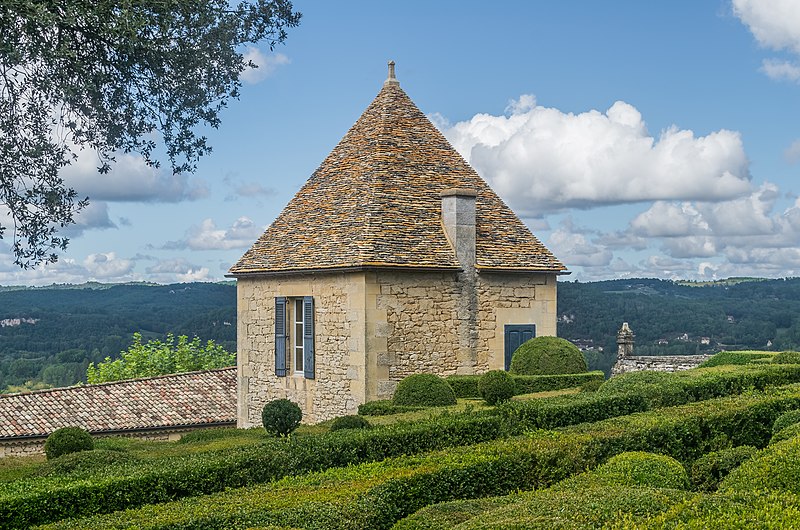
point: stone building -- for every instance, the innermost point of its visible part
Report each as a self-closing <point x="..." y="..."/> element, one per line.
<point x="394" y="258"/>
<point x="628" y="362"/>
<point x="154" y="408"/>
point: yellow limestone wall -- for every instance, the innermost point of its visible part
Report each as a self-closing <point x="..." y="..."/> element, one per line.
<point x="372" y="329"/>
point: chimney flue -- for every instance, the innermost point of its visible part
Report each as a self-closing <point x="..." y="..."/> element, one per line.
<point x="458" y="218"/>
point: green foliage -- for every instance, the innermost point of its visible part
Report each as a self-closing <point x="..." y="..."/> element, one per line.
<point x="787" y="433"/>
<point x="130" y="90"/>
<point x="711" y="468"/>
<point x="384" y="407"/>
<point x="774" y="468"/>
<point x="349" y="422"/>
<point x="160" y="358"/>
<point x="784" y="420"/>
<point x="684" y="433"/>
<point x="637" y="468"/>
<point x="424" y="390"/>
<point x="547" y="356"/>
<point x="67" y="440"/>
<point x="86" y="461"/>
<point x="466" y="386"/>
<point x="496" y="386"/>
<point x="375" y="495"/>
<point x="281" y="416"/>
<point x="787" y="357"/>
<point x="736" y="358"/>
<point x="76" y="325"/>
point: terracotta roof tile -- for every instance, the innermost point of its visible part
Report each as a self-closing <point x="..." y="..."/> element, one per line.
<point x="375" y="202"/>
<point x="189" y="399"/>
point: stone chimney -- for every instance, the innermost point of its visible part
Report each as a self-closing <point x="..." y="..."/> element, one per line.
<point x="391" y="80"/>
<point x="624" y="341"/>
<point x="458" y="218"/>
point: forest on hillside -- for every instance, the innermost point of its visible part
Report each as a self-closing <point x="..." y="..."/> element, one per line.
<point x="49" y="335"/>
<point x="679" y="318"/>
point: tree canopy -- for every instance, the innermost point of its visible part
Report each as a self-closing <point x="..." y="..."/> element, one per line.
<point x="160" y="358"/>
<point x="135" y="76"/>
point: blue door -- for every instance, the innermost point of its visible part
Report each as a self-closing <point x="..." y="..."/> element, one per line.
<point x="516" y="334"/>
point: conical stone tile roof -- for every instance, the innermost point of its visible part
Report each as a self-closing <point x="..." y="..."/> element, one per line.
<point x="375" y="201"/>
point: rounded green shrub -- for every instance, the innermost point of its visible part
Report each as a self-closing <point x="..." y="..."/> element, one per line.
<point x="787" y="357"/>
<point x="792" y="431"/>
<point x="350" y="422"/>
<point x="638" y="468"/>
<point x="774" y="468"/>
<point x="786" y="419"/>
<point x="496" y="387"/>
<point x="280" y="417"/>
<point x="424" y="390"/>
<point x="711" y="468"/>
<point x="547" y="356"/>
<point x="83" y="462"/>
<point x="67" y="440"/>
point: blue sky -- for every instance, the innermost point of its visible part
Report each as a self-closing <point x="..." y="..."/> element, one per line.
<point x="636" y="139"/>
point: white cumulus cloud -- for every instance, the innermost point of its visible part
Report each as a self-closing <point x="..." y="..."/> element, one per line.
<point x="541" y="159"/>
<point x="207" y="236"/>
<point x="776" y="25"/>
<point x="266" y="64"/>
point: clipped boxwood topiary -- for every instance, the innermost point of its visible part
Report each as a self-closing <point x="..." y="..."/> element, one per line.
<point x="547" y="356"/>
<point x="424" y="390"/>
<point x="786" y="419"/>
<point x="67" y="440"/>
<point x="638" y="468"/>
<point x="711" y="468"/>
<point x="792" y="431"/>
<point x="83" y="462"/>
<point x="496" y="387"/>
<point x="787" y="357"/>
<point x="349" y="422"/>
<point x="281" y="417"/>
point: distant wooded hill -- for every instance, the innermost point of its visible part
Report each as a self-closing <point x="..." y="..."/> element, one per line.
<point x="678" y="318"/>
<point x="49" y="335"/>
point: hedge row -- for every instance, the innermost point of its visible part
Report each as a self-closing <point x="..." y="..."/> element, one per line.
<point x="32" y="502"/>
<point x="376" y="495"/>
<point x="466" y="386"/>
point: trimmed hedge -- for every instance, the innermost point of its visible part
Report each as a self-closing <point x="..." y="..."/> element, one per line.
<point x="547" y="356"/>
<point x="281" y="417"/>
<point x="792" y="431"/>
<point x="638" y="468"/>
<point x="787" y="357"/>
<point x="785" y="420"/>
<point x="737" y="358"/>
<point x="383" y="407"/>
<point x="711" y="468"/>
<point x="378" y="494"/>
<point x="775" y="468"/>
<point x="466" y="386"/>
<point x="28" y="502"/>
<point x="349" y="422"/>
<point x="424" y="390"/>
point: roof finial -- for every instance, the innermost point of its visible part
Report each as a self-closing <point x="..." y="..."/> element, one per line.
<point x="391" y="80"/>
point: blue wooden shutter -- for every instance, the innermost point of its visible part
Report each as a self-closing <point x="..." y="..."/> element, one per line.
<point x="280" y="336"/>
<point x="308" y="337"/>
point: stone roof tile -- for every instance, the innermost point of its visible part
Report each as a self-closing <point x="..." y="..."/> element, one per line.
<point x="375" y="202"/>
<point x="178" y="400"/>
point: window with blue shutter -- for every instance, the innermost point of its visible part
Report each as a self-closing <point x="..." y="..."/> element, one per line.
<point x="280" y="336"/>
<point x="308" y="337"/>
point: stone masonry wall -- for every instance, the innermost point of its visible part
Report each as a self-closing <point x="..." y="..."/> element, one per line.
<point x="658" y="363"/>
<point x="509" y="298"/>
<point x="414" y="327"/>
<point x="338" y="386"/>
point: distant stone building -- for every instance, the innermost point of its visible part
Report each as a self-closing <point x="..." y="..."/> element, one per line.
<point x="153" y="408"/>
<point x="394" y="258"/>
<point x="627" y="362"/>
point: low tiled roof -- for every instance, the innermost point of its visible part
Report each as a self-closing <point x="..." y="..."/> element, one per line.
<point x="179" y="400"/>
<point x="375" y="202"/>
